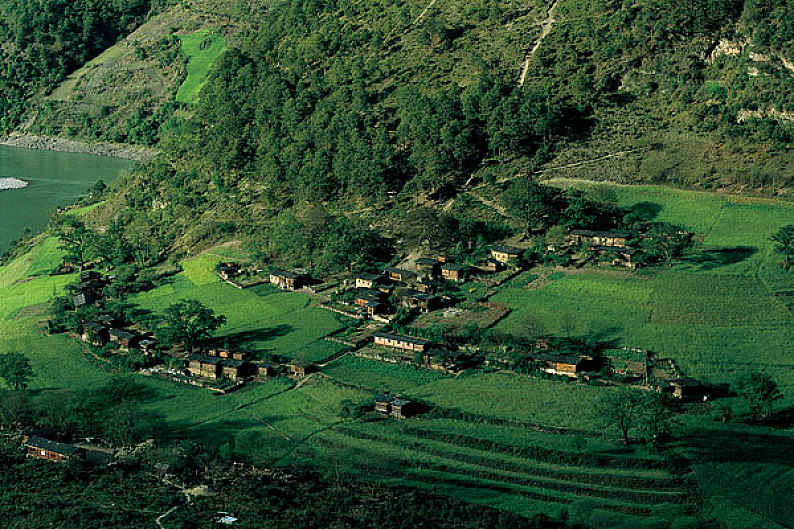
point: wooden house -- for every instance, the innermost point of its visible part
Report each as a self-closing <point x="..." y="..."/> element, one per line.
<point x="600" y="238"/>
<point x="95" y="333"/>
<point x="90" y="275"/>
<point x="504" y="253"/>
<point x="83" y="299"/>
<point x="289" y="280"/>
<point x="405" y="343"/>
<point x="41" y="448"/>
<point x="367" y="295"/>
<point x="125" y="339"/>
<point x="401" y="408"/>
<point x="492" y="265"/>
<point x="205" y="366"/>
<point x="399" y="275"/>
<point x="370" y="281"/>
<point x="383" y="403"/>
<point x="265" y="369"/>
<point x="418" y="300"/>
<point x="682" y="388"/>
<point x="228" y="271"/>
<point x="236" y="369"/>
<point x="148" y="346"/>
<point x="300" y="369"/>
<point x="427" y="267"/>
<point x="453" y="272"/>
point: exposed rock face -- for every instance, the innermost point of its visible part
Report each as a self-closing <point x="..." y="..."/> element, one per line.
<point x="12" y="183"/>
<point x="51" y="143"/>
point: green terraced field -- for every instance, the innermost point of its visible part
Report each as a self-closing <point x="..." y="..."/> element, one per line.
<point x="202" y="48"/>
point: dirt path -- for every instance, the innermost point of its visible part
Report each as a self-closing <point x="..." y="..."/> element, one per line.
<point x="546" y="27"/>
<point x="424" y="12"/>
<point x="159" y="519"/>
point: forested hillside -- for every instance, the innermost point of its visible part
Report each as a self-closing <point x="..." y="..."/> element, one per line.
<point x="41" y="42"/>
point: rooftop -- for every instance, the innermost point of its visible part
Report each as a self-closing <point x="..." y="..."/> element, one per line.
<point x="366" y="276"/>
<point x="205" y="359"/>
<point x="596" y="233"/>
<point x="503" y="248"/>
<point x="426" y="261"/>
<point x="51" y="446"/>
<point x="452" y="266"/>
<point x="397" y="337"/>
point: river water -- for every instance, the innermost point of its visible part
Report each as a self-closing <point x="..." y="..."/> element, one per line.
<point x="54" y="179"/>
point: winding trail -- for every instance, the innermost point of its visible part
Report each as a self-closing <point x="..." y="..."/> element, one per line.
<point x="159" y="519"/>
<point x="546" y="27"/>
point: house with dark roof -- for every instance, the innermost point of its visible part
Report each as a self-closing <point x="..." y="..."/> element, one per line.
<point x="492" y="265"/>
<point x="405" y="343"/>
<point x="125" y="339"/>
<point x="453" y="272"/>
<point x="83" y="299"/>
<point x="300" y="369"/>
<point x="95" y="333"/>
<point x="383" y="403"/>
<point x="418" y="300"/>
<point x="41" y="448"/>
<point x="202" y="365"/>
<point x="228" y="271"/>
<point x="401" y="408"/>
<point x="504" y="253"/>
<point x="236" y="369"/>
<point x="399" y="275"/>
<point x="289" y="280"/>
<point x="427" y="267"/>
<point x="367" y="280"/>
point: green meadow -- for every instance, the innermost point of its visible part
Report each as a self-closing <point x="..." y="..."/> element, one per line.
<point x="202" y="48"/>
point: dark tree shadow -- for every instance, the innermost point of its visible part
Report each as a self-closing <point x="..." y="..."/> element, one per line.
<point x="249" y="339"/>
<point x="710" y="259"/>
<point x="721" y="446"/>
<point x="646" y="211"/>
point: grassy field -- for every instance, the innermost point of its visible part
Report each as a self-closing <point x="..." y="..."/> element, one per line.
<point x="268" y="320"/>
<point x="202" y="48"/>
<point x="715" y="313"/>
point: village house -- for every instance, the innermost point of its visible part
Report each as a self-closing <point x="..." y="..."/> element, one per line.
<point x="41" y="448"/>
<point x="225" y="353"/>
<point x="300" y="369"/>
<point x="228" y="271"/>
<point x="405" y="343"/>
<point x="453" y="272"/>
<point x="401" y="408"/>
<point x="619" y="255"/>
<point x="90" y="275"/>
<point x="83" y="299"/>
<point x="289" y="280"/>
<point x="599" y="238"/>
<point x="441" y="360"/>
<point x="148" y="346"/>
<point x="504" y="253"/>
<point x="205" y="366"/>
<point x="427" y="267"/>
<point x="125" y="339"/>
<point x="265" y="369"/>
<point x="399" y="275"/>
<point x="492" y="265"/>
<point x="370" y="281"/>
<point x="417" y="300"/>
<point x="682" y="388"/>
<point x="367" y="295"/>
<point x="236" y="369"/>
<point x="383" y="403"/>
<point x="95" y="333"/>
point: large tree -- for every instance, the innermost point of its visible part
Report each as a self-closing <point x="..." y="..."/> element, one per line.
<point x="529" y="201"/>
<point x="188" y="322"/>
<point x="15" y="369"/>
<point x="759" y="390"/>
<point x="784" y="244"/>
<point x="665" y="242"/>
<point x="630" y="410"/>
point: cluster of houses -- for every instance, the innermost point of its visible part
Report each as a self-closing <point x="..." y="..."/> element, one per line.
<point x="105" y="329"/>
<point x="220" y="364"/>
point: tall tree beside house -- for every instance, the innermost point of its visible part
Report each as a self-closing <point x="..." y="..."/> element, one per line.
<point x="760" y="391"/>
<point x="665" y="242"/>
<point x="628" y="410"/>
<point x="189" y="322"/>
<point x="15" y="369"/>
<point x="528" y="201"/>
<point x="784" y="244"/>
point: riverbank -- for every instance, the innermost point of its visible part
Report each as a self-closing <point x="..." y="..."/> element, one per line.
<point x="12" y="183"/>
<point x="53" y="143"/>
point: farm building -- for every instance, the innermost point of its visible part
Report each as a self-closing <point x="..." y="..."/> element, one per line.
<point x="225" y="353"/>
<point x="442" y="360"/>
<point x="90" y="275"/>
<point x="401" y="408"/>
<point x="228" y="271"/>
<point x="453" y="272"/>
<point x="566" y="365"/>
<point x="427" y="267"/>
<point x="367" y="295"/>
<point x="300" y="369"/>
<point x="400" y="275"/>
<point x="41" y="448"/>
<point x="205" y="366"/>
<point x="599" y="238"/>
<point x="148" y="345"/>
<point x="95" y="333"/>
<point x="504" y="253"/>
<point x="682" y="388"/>
<point x="83" y="299"/>
<point x="492" y="265"/>
<point x="236" y="369"/>
<point x="383" y="403"/>
<point x="395" y="341"/>
<point x="418" y="300"/>
<point x="371" y="281"/>
<point x="125" y="339"/>
<point x="289" y="280"/>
